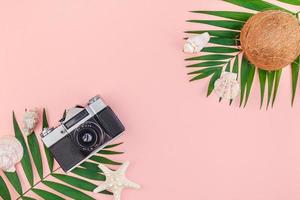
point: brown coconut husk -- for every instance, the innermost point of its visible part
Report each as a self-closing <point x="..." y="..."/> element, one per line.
<point x="271" y="39"/>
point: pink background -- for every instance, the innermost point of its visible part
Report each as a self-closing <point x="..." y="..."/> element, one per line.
<point x="181" y="145"/>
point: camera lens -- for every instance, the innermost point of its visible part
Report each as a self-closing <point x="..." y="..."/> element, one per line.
<point x="89" y="136"/>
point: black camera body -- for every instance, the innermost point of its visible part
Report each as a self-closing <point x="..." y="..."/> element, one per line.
<point x="82" y="133"/>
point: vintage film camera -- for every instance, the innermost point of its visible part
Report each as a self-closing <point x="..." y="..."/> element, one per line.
<point x="82" y="133"/>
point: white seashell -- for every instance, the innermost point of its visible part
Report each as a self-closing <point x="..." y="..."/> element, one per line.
<point x="30" y="119"/>
<point x="227" y="86"/>
<point x="11" y="152"/>
<point x="196" y="43"/>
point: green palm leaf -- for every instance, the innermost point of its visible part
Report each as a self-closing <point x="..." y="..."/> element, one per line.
<point x="46" y="195"/>
<point x="295" y="75"/>
<point x="240" y="16"/>
<point x="251" y="74"/>
<point x="49" y="156"/>
<point x="235" y="68"/>
<point x="212" y="81"/>
<point x="36" y="153"/>
<point x="292" y="2"/>
<point x="244" y="78"/>
<point x="104" y="160"/>
<point x="27" y="198"/>
<point x="277" y="80"/>
<point x="68" y="191"/>
<point x="4" y="192"/>
<point x="91" y="166"/>
<point x="78" y="183"/>
<point x="227" y="69"/>
<point x="270" y="78"/>
<point x="233" y="25"/>
<point x="211" y="57"/>
<point x="26" y="164"/>
<point x="220" y="50"/>
<point x="218" y="33"/>
<point x="109" y="152"/>
<point x="257" y="5"/>
<point x="113" y="145"/>
<point x="15" y="181"/>
<point x="262" y="74"/>
<point x="204" y="74"/>
<point x="88" y="173"/>
<point x="224" y="41"/>
<point x="207" y="64"/>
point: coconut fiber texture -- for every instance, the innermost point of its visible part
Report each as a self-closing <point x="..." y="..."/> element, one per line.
<point x="271" y="39"/>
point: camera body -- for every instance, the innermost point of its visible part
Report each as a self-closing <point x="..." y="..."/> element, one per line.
<point x="82" y="133"/>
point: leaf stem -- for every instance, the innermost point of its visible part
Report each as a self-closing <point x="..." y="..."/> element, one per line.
<point x="40" y="181"/>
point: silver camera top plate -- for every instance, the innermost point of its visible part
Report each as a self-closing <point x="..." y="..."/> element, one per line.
<point x="50" y="137"/>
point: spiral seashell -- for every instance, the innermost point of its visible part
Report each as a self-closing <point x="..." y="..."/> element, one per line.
<point x="196" y="43"/>
<point x="30" y="120"/>
<point x="11" y="152"/>
<point x="227" y="86"/>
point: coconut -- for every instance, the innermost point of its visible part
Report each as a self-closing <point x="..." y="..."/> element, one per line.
<point x="271" y="39"/>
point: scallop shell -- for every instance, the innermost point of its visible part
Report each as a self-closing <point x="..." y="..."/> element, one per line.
<point x="30" y="120"/>
<point x="196" y="43"/>
<point x="11" y="152"/>
<point x="227" y="86"/>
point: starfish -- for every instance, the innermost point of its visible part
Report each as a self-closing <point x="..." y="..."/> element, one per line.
<point x="116" y="180"/>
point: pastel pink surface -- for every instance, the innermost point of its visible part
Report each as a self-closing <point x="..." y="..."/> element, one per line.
<point x="181" y="145"/>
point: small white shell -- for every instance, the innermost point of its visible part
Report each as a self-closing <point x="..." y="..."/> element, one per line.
<point x="30" y="119"/>
<point x="196" y="43"/>
<point x="227" y="86"/>
<point x="11" y="152"/>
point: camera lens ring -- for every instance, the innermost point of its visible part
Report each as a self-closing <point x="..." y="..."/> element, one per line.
<point x="88" y="136"/>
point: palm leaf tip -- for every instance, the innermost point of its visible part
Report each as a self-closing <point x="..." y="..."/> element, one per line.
<point x="295" y="75"/>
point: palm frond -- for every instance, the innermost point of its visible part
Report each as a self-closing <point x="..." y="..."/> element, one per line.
<point x="219" y="49"/>
<point x="109" y="152"/>
<point x="217" y="33"/>
<point x="88" y="170"/>
<point x="292" y="2"/>
<point x="68" y="191"/>
<point x="210" y="57"/>
<point x="257" y="5"/>
<point x="103" y="160"/>
<point x="239" y="16"/>
<point x="228" y="24"/>
<point x="226" y="43"/>
<point x="89" y="174"/>
<point x="46" y="195"/>
<point x="207" y="64"/>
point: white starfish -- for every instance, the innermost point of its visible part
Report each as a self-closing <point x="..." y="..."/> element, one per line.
<point x="116" y="180"/>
